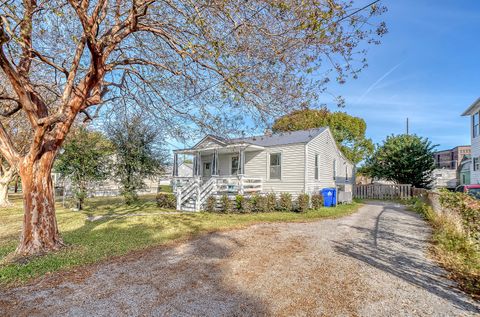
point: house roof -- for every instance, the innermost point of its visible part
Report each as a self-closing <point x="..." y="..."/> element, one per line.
<point x="472" y="109"/>
<point x="303" y="136"/>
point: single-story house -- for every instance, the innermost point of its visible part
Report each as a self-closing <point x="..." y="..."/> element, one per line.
<point x="294" y="162"/>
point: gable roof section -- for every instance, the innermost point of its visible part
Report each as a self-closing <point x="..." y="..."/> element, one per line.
<point x="283" y="138"/>
<point x="472" y="109"/>
<point x="209" y="138"/>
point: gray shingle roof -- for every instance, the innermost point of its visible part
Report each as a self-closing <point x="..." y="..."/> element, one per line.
<point x="282" y="138"/>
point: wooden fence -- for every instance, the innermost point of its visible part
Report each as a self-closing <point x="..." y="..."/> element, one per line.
<point x="381" y="191"/>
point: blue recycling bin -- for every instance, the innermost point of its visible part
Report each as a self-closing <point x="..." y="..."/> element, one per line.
<point x="329" y="197"/>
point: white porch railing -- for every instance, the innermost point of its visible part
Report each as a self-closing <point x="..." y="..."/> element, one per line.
<point x="192" y="193"/>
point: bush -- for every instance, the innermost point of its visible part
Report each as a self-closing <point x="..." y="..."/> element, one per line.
<point x="271" y="202"/>
<point x="258" y="203"/>
<point x="285" y="202"/>
<point x="246" y="206"/>
<point x="166" y="200"/>
<point x="467" y="207"/>
<point x="211" y="204"/>
<point x="226" y="205"/>
<point x="239" y="202"/>
<point x="303" y="202"/>
<point x="317" y="201"/>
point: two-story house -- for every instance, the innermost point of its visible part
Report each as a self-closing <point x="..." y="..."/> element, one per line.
<point x="474" y="113"/>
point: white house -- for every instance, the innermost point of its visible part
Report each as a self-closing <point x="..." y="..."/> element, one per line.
<point x="294" y="162"/>
<point x="474" y="112"/>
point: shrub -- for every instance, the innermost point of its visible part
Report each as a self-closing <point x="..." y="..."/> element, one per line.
<point x="166" y="200"/>
<point x="258" y="203"/>
<point x="467" y="207"/>
<point x="239" y="202"/>
<point x="317" y="201"/>
<point x="226" y="205"/>
<point x="246" y="206"/>
<point x="211" y="204"/>
<point x="303" y="202"/>
<point x="271" y="202"/>
<point x="285" y="202"/>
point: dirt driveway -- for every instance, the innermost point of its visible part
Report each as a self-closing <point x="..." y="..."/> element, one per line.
<point x="372" y="263"/>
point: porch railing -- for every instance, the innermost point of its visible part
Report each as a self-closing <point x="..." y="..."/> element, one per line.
<point x="196" y="191"/>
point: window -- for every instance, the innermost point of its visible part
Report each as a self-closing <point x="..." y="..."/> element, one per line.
<point x="334" y="169"/>
<point x="476" y="164"/>
<point x="234" y="165"/>
<point x="346" y="173"/>
<point x="475" y="124"/>
<point x="316" y="166"/>
<point x="275" y="166"/>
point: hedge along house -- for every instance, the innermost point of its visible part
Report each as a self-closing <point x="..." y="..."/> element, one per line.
<point x="293" y="162"/>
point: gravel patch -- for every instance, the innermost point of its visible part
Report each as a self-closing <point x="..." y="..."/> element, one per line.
<point x="372" y="263"/>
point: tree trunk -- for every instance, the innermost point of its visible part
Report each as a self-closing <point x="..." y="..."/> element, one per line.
<point x="5" y="180"/>
<point x="40" y="231"/>
<point x="4" y="201"/>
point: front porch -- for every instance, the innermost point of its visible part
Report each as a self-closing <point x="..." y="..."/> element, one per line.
<point x="216" y="171"/>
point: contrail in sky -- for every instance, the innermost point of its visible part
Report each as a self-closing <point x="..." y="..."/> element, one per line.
<point x="379" y="81"/>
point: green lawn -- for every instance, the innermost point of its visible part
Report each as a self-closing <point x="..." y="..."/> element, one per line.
<point x="124" y="229"/>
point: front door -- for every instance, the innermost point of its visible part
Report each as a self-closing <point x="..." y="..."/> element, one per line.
<point x="207" y="169"/>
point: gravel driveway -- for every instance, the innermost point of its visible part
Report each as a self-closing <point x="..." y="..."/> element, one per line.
<point x="372" y="263"/>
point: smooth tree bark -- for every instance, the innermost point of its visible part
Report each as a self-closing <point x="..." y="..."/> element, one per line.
<point x="7" y="176"/>
<point x="62" y="58"/>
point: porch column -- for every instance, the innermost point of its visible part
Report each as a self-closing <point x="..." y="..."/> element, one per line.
<point x="197" y="163"/>
<point x="175" y="165"/>
<point x="241" y="162"/>
<point x="215" y="163"/>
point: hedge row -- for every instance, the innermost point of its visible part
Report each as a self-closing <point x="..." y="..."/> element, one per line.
<point x="263" y="203"/>
<point x="254" y="203"/>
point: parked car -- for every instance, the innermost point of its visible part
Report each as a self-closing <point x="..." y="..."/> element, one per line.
<point x="472" y="190"/>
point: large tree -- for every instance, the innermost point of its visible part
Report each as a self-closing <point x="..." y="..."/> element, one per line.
<point x="84" y="160"/>
<point x="348" y="131"/>
<point x="255" y="59"/>
<point x="138" y="154"/>
<point x="404" y="159"/>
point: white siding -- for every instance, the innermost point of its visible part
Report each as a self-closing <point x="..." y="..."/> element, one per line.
<point x="474" y="175"/>
<point x="324" y="145"/>
<point x="292" y="165"/>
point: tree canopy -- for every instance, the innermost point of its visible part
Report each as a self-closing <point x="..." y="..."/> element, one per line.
<point x="84" y="159"/>
<point x="404" y="159"/>
<point x="137" y="154"/>
<point x="348" y="131"/>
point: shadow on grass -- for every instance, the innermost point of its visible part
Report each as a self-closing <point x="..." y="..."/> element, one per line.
<point x="394" y="247"/>
<point x="182" y="280"/>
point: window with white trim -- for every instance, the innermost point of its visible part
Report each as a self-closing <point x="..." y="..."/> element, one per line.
<point x="316" y="166"/>
<point x="346" y="173"/>
<point x="275" y="165"/>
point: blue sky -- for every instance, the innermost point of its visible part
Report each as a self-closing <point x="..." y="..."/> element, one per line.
<point x="427" y="68"/>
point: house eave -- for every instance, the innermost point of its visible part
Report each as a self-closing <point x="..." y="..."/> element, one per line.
<point x="472" y="109"/>
<point x="228" y="148"/>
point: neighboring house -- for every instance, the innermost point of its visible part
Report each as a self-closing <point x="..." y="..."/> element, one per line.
<point x="293" y="162"/>
<point x="445" y="178"/>
<point x="464" y="171"/>
<point x="451" y="158"/>
<point x="474" y="113"/>
<point x="185" y="169"/>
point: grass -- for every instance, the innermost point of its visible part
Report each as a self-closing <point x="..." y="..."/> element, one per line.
<point x="90" y="242"/>
<point x="452" y="248"/>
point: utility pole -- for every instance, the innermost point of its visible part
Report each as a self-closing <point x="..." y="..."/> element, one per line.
<point x="408" y="127"/>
